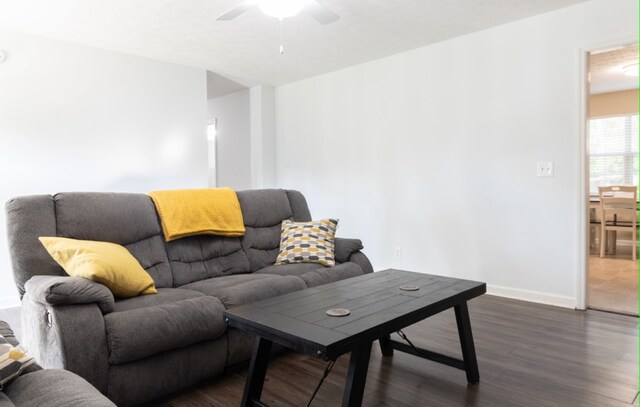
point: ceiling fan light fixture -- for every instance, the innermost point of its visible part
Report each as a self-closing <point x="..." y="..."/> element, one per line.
<point x="630" y="70"/>
<point x="280" y="9"/>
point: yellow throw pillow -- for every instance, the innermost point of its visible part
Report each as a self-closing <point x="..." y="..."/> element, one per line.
<point x="103" y="262"/>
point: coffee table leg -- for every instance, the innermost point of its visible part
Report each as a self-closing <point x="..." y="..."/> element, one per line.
<point x="357" y="376"/>
<point x="257" y="372"/>
<point x="385" y="347"/>
<point x="466" y="342"/>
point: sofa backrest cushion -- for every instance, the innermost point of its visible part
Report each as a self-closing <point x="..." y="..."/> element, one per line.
<point x="28" y="218"/>
<point x="131" y="220"/>
<point x="263" y="211"/>
<point x="198" y="257"/>
<point x="126" y="219"/>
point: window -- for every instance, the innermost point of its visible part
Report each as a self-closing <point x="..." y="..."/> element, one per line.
<point x="613" y="149"/>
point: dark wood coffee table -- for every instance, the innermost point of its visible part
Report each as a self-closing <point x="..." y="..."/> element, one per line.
<point x="378" y="308"/>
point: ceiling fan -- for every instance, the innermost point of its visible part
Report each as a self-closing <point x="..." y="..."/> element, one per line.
<point x="282" y="9"/>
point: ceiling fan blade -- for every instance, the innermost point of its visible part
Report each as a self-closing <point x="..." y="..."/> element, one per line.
<point x="237" y="10"/>
<point x="320" y="12"/>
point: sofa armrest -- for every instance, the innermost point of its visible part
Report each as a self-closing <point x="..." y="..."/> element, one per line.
<point x="361" y="260"/>
<point x="7" y="333"/>
<point x="346" y="247"/>
<point x="349" y="250"/>
<point x="67" y="336"/>
<point x="54" y="387"/>
<point x="56" y="290"/>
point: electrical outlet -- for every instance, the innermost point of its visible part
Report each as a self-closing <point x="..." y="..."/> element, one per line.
<point x="544" y="169"/>
<point x="397" y="252"/>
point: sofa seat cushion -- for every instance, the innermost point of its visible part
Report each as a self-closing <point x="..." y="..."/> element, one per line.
<point x="294" y="269"/>
<point x="142" y="332"/>
<point x="314" y="274"/>
<point x="54" y="388"/>
<point x="5" y="401"/>
<point x="242" y="289"/>
<point x="164" y="296"/>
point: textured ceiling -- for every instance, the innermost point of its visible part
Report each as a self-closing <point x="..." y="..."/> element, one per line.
<point x="606" y="70"/>
<point x="246" y="49"/>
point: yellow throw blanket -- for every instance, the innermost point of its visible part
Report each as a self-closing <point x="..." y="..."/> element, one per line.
<point x="189" y="212"/>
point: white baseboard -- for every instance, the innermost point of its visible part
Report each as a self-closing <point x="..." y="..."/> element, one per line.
<point x="9" y="302"/>
<point x="532" y="296"/>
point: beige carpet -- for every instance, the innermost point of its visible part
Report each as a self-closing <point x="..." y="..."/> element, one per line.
<point x="613" y="283"/>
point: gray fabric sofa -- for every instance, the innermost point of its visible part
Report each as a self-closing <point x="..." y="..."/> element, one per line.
<point x="138" y="349"/>
<point x="38" y="387"/>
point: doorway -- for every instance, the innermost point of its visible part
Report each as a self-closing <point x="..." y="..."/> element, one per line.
<point x="612" y="157"/>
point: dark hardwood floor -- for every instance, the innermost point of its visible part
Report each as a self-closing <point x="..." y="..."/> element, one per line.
<point x="529" y="355"/>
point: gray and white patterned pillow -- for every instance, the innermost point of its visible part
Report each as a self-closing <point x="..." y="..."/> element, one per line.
<point x="308" y="242"/>
<point x="13" y="360"/>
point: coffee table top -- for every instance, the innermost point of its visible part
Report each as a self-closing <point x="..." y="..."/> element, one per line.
<point x="378" y="307"/>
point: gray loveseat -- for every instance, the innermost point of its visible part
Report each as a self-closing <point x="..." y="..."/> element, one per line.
<point x="37" y="387"/>
<point x="138" y="349"/>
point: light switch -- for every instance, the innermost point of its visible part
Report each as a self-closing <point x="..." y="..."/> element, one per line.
<point x="545" y="168"/>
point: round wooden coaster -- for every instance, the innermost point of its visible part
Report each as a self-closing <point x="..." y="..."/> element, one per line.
<point x="338" y="312"/>
<point x="409" y="287"/>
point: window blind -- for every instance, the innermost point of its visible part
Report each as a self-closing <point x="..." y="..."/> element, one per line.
<point x="613" y="151"/>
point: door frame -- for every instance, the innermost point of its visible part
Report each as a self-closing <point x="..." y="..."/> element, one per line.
<point x="583" y="249"/>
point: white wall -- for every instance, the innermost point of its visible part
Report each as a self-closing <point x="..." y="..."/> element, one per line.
<point x="73" y="118"/>
<point x="233" y="139"/>
<point x="245" y="140"/>
<point x="263" y="137"/>
<point x="434" y="150"/>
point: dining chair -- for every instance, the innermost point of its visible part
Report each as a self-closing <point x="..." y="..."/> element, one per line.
<point x="618" y="213"/>
<point x="594" y="223"/>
